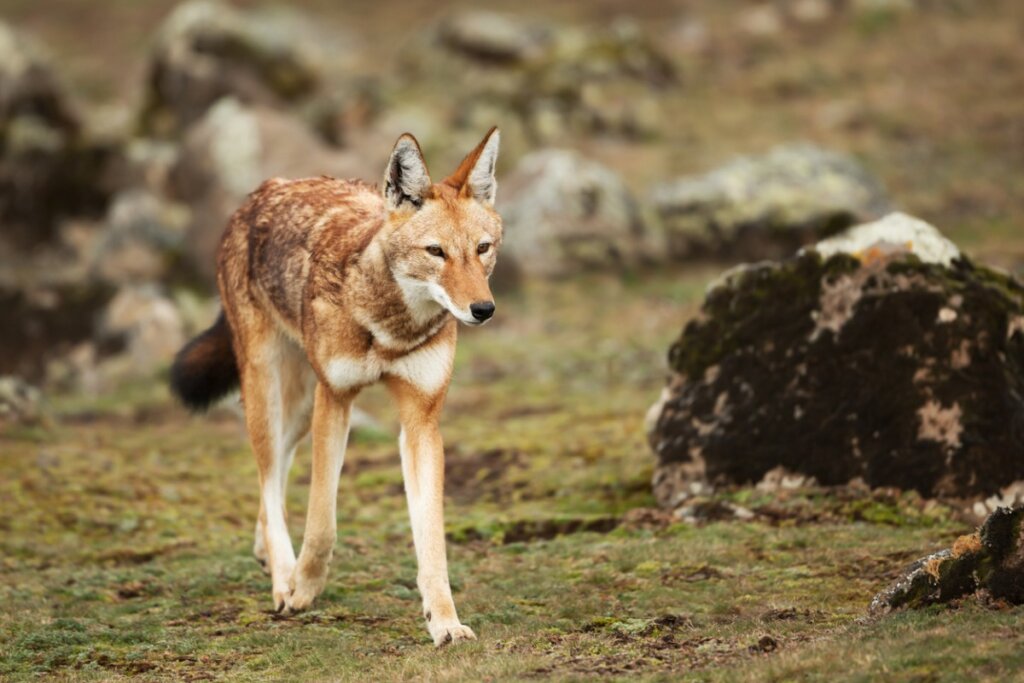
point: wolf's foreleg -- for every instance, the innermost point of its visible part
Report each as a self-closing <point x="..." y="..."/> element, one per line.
<point x="422" y="452"/>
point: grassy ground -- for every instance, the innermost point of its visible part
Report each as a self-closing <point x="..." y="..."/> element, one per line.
<point x="126" y="534"/>
<point x="125" y="529"/>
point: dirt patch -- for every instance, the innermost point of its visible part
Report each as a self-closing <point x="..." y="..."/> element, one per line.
<point x="129" y="556"/>
<point x="529" y="530"/>
<point x="646" y="645"/>
<point x="470" y="477"/>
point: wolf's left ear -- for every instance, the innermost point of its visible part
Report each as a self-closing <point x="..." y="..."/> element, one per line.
<point x="481" y="178"/>
<point x="475" y="175"/>
<point x="406" y="179"/>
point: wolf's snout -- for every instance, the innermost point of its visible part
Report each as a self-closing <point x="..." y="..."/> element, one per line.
<point x="482" y="310"/>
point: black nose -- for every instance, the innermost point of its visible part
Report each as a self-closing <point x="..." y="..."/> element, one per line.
<point x="482" y="310"/>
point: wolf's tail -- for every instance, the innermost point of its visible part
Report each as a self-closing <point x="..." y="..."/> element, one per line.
<point x="205" y="370"/>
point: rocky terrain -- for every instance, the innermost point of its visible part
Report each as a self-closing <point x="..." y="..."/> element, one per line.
<point x="677" y="183"/>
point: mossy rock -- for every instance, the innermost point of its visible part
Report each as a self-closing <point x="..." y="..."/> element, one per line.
<point x="876" y="366"/>
<point x="991" y="561"/>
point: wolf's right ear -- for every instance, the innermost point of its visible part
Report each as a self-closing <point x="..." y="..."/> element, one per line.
<point x="406" y="179"/>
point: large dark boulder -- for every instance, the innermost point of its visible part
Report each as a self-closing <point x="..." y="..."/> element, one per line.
<point x="882" y="355"/>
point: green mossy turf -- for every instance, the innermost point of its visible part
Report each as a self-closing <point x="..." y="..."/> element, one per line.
<point x="126" y="532"/>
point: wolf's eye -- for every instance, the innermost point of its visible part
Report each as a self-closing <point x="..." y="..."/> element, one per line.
<point x="483" y="248"/>
<point x="435" y="250"/>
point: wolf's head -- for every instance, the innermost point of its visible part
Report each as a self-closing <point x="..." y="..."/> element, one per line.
<point x="441" y="240"/>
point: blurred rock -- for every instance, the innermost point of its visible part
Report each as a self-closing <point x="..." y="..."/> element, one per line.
<point x="227" y="154"/>
<point x="48" y="169"/>
<point x="764" y="207"/>
<point x="208" y="50"/>
<point x="76" y="370"/>
<point x="761" y="21"/>
<point x="20" y="402"/>
<point x="885" y="356"/>
<point x="690" y="37"/>
<point x="148" y="164"/>
<point x="142" y="240"/>
<point x="989" y="562"/>
<point x="492" y="37"/>
<point x="811" y="11"/>
<point x="564" y="213"/>
<point x="554" y="79"/>
<point x="604" y="82"/>
<point x="48" y="305"/>
<point x="340" y="115"/>
<point x="146" y="324"/>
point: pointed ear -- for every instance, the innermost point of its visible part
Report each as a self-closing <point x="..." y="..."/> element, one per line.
<point x="481" y="178"/>
<point x="475" y="175"/>
<point x="406" y="178"/>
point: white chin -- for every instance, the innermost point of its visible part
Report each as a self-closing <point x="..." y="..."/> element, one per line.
<point x="468" y="320"/>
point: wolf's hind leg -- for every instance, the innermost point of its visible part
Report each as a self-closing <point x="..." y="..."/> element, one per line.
<point x="263" y="394"/>
<point x="330" y="436"/>
<point x="297" y="381"/>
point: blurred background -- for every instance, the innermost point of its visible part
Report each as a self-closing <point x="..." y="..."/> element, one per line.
<point x="646" y="147"/>
<point x="637" y="137"/>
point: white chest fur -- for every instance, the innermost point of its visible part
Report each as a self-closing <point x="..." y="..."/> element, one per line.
<point x="428" y="368"/>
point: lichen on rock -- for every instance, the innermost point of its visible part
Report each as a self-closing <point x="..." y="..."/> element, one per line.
<point x="875" y="365"/>
<point x="989" y="562"/>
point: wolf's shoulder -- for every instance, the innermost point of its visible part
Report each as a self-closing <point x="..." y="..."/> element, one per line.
<point x="317" y="191"/>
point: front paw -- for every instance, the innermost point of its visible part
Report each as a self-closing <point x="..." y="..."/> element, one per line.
<point x="303" y="590"/>
<point x="453" y="632"/>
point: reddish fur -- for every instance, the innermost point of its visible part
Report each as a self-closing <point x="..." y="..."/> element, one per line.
<point x="311" y="276"/>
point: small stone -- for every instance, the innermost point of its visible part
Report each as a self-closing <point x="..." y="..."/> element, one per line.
<point x="20" y="402"/>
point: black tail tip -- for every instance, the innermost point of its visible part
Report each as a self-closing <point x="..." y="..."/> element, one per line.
<point x="205" y="370"/>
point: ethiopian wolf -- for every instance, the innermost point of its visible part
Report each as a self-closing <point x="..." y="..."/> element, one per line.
<point x="329" y="286"/>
